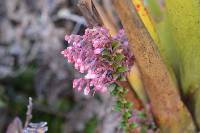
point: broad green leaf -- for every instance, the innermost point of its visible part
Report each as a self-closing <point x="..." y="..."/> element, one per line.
<point x="184" y="18"/>
<point x="154" y="9"/>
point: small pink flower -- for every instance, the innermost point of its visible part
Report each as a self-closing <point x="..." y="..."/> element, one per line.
<point x="79" y="61"/>
<point x="69" y="48"/>
<point x="85" y="52"/>
<point x="79" y="88"/>
<point x="86" y="90"/>
<point x="66" y="37"/>
<point x="82" y="69"/>
<point x="104" y="89"/>
<point x="62" y="52"/>
<point x="90" y="75"/>
<point x="76" y="65"/>
<point x="75" y="83"/>
<point x="95" y="43"/>
<point x="97" y="51"/>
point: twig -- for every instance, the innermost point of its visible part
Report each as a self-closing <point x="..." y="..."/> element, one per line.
<point x="107" y="21"/>
<point x="90" y="13"/>
<point x="66" y="14"/>
<point x="28" y="113"/>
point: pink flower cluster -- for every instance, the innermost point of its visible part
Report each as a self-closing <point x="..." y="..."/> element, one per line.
<point x="99" y="56"/>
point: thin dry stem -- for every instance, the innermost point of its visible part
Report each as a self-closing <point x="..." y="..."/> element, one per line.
<point x="29" y="112"/>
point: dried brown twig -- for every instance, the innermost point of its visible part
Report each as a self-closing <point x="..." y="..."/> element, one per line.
<point x="90" y="13"/>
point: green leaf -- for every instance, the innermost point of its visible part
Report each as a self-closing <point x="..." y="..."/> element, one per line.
<point x="119" y="57"/>
<point x="91" y="125"/>
<point x="154" y="8"/>
<point x="122" y="69"/>
<point x="115" y="45"/>
<point x="126" y="115"/>
<point x="122" y="124"/>
<point x="141" y="115"/>
<point x="120" y="89"/>
<point x="184" y="18"/>
<point x="105" y="52"/>
<point x="119" y="104"/>
<point x="128" y="105"/>
<point x="106" y="55"/>
<point x="117" y="108"/>
<point x="114" y="92"/>
<point x="144" y="130"/>
<point x="116" y="75"/>
<point x="121" y="78"/>
<point x="2" y="104"/>
<point x="133" y="125"/>
<point x="112" y="86"/>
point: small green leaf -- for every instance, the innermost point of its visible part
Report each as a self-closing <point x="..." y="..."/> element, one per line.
<point x="120" y="89"/>
<point x="141" y="115"/>
<point x="106" y="55"/>
<point x="117" y="108"/>
<point x="105" y="52"/>
<point x="144" y="130"/>
<point x="119" y="57"/>
<point x="127" y="115"/>
<point x="128" y="105"/>
<point x="114" y="92"/>
<point x="116" y="76"/>
<point x="2" y="104"/>
<point x="122" y="69"/>
<point x="119" y="103"/>
<point x="112" y="86"/>
<point x="91" y="125"/>
<point x="115" y="45"/>
<point x="125" y="91"/>
<point x="121" y="78"/>
<point x="124" y="101"/>
<point x="133" y="125"/>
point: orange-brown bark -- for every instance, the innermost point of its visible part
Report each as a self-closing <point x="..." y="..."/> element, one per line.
<point x="170" y="113"/>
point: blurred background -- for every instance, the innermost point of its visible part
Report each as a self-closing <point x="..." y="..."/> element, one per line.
<point x="31" y="39"/>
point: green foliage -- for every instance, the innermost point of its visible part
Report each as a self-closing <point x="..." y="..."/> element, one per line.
<point x="119" y="58"/>
<point x="115" y="45"/>
<point x="154" y="9"/>
<point x="64" y="104"/>
<point x="122" y="105"/>
<point x="24" y="82"/>
<point x="184" y="18"/>
<point x="121" y="69"/>
<point x="91" y="125"/>
<point x="2" y="104"/>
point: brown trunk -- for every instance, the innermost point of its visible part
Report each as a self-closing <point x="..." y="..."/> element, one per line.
<point x="169" y="111"/>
